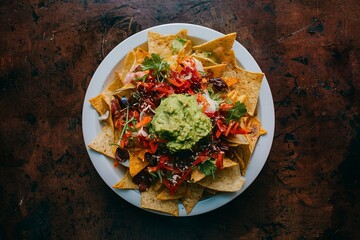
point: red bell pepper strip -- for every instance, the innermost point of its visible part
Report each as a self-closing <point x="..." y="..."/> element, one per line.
<point x="200" y="159"/>
<point x="220" y="160"/>
<point x="226" y="107"/>
<point x="143" y="122"/>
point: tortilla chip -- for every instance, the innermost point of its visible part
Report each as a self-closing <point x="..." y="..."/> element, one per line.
<point x="238" y="139"/>
<point x="216" y="70"/>
<point x="129" y="62"/>
<point x="185" y="51"/>
<point x="230" y="81"/>
<point x="211" y="191"/>
<point x="229" y="58"/>
<point x="165" y="193"/>
<point x="262" y="131"/>
<point x="149" y="201"/>
<point x="102" y="142"/>
<point x="236" y="155"/>
<point x="125" y="90"/>
<point x="157" y="185"/>
<point x="161" y="44"/>
<point x="140" y="55"/>
<point x="206" y="62"/>
<point x="99" y="104"/>
<point x="116" y="84"/>
<point x="244" y="154"/>
<point x="196" y="175"/>
<point x="226" y="180"/>
<point x="228" y="163"/>
<point x="254" y="125"/>
<point x="218" y="50"/>
<point x="137" y="162"/>
<point x="249" y="84"/>
<point x="225" y="42"/>
<point x="235" y="96"/>
<point x="126" y="182"/>
<point x="195" y="192"/>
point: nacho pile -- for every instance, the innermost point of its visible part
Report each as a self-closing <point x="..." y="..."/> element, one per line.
<point x="181" y="119"/>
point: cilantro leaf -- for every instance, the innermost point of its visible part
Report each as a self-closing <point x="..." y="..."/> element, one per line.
<point x="208" y="168"/>
<point x="236" y="112"/>
<point x="143" y="78"/>
<point x="159" y="67"/>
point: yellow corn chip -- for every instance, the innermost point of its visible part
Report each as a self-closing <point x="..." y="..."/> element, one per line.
<point x="226" y="180"/>
<point x="162" y="44"/>
<point x="230" y="81"/>
<point x="235" y="96"/>
<point x="140" y="55"/>
<point x="195" y="192"/>
<point x="216" y="70"/>
<point x="126" y="182"/>
<point x="129" y="62"/>
<point x="211" y="191"/>
<point x="99" y="104"/>
<point x="244" y="154"/>
<point x="218" y="50"/>
<point x="228" y="163"/>
<point x="115" y="84"/>
<point x="137" y="162"/>
<point x="249" y="84"/>
<point x="206" y="62"/>
<point x="185" y="51"/>
<point x="254" y="126"/>
<point x="165" y="193"/>
<point x="196" y="175"/>
<point x="102" y="142"/>
<point x="149" y="201"/>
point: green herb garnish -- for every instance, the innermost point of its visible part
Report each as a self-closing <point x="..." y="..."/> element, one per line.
<point x="143" y="78"/>
<point x="208" y="168"/>
<point x="214" y="96"/>
<point x="126" y="125"/>
<point x="236" y="112"/>
<point x="159" y="67"/>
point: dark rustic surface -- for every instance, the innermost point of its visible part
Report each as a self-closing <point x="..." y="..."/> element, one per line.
<point x="310" y="185"/>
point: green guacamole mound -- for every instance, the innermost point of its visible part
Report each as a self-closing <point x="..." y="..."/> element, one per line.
<point x="180" y="121"/>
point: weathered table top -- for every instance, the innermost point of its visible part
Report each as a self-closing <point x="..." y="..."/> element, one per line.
<point x="310" y="185"/>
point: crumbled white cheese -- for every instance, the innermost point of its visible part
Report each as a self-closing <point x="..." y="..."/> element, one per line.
<point x="104" y="116"/>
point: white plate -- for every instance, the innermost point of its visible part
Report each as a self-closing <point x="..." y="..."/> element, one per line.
<point x="105" y="73"/>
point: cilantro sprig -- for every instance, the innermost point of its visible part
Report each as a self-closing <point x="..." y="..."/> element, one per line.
<point x="236" y="112"/>
<point x="208" y="168"/>
<point x="159" y="67"/>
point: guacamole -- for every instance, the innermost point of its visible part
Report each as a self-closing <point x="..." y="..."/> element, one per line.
<point x="180" y="120"/>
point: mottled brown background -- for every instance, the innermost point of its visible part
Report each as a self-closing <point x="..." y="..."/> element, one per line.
<point x="310" y="185"/>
